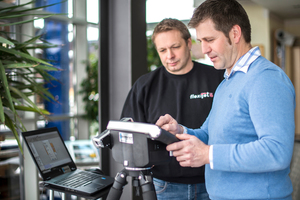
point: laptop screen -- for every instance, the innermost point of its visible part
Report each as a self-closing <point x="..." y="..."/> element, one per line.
<point x="49" y="151"/>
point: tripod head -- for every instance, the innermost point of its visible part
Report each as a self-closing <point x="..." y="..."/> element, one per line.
<point x="136" y="145"/>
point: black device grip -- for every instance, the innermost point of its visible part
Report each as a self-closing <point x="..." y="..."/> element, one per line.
<point x="166" y="137"/>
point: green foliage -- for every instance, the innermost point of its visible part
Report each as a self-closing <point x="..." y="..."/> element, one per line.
<point x="89" y="89"/>
<point x="152" y="55"/>
<point x="21" y="74"/>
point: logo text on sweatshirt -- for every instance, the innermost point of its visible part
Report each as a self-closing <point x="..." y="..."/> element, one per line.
<point x="202" y="95"/>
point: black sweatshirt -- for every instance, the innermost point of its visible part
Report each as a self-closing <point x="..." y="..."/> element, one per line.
<point x="187" y="98"/>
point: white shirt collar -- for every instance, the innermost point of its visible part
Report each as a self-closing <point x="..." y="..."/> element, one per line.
<point x="244" y="62"/>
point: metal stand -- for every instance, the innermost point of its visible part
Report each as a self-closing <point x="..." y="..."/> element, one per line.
<point x="142" y="178"/>
<point x="51" y="195"/>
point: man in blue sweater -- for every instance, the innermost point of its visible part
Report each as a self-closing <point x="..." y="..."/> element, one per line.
<point x="247" y="140"/>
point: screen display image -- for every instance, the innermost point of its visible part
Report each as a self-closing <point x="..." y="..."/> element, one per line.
<point x="48" y="150"/>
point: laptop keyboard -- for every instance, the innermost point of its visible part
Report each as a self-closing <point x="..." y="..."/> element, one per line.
<point x="78" y="179"/>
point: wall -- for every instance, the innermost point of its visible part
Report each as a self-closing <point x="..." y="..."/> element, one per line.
<point x="260" y="24"/>
<point x="296" y="82"/>
<point x="293" y="27"/>
<point x="275" y="24"/>
<point x="292" y="64"/>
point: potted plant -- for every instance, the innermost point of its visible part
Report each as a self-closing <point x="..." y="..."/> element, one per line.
<point x="21" y="74"/>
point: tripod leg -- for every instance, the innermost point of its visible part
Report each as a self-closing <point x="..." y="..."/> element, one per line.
<point x="116" y="190"/>
<point x="146" y="183"/>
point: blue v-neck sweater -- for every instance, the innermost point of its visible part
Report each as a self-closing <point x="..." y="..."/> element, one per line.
<point x="251" y="127"/>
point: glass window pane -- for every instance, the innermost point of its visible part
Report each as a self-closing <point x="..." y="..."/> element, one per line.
<point x="156" y="9"/>
<point x="60" y="7"/>
<point x="92" y="13"/>
<point x="92" y="34"/>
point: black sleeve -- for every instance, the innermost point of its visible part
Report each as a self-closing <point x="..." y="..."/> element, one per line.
<point x="133" y="106"/>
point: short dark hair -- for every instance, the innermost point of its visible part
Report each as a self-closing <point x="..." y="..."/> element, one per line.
<point x="169" y="24"/>
<point x="224" y="14"/>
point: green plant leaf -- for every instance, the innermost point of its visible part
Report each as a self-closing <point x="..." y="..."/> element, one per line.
<point x="17" y="15"/>
<point x="18" y="65"/>
<point x="14" y="52"/>
<point x="25" y="21"/>
<point x="30" y="41"/>
<point x="34" y="44"/>
<point x="35" y="87"/>
<point x="5" y="41"/>
<point x="46" y="76"/>
<point x="21" y="125"/>
<point x="2" y="118"/>
<point x="22" y="95"/>
<point x="28" y="65"/>
<point x="16" y="101"/>
<point x="6" y="86"/>
<point x="9" y="123"/>
<point x="31" y="109"/>
<point x="43" y="92"/>
<point x="47" y="68"/>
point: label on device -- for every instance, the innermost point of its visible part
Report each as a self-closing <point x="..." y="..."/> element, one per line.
<point x="126" y="138"/>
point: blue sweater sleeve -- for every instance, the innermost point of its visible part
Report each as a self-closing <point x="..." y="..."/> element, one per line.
<point x="201" y="133"/>
<point x="271" y="104"/>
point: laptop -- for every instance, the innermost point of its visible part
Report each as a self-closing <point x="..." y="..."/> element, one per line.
<point x="57" y="167"/>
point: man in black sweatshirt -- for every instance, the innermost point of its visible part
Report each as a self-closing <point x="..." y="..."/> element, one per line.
<point x="182" y="88"/>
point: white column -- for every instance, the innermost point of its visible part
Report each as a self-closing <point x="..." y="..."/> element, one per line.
<point x="80" y="55"/>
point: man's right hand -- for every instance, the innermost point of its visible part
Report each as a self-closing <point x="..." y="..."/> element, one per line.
<point x="168" y="123"/>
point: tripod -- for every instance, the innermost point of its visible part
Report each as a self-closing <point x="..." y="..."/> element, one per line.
<point x="142" y="177"/>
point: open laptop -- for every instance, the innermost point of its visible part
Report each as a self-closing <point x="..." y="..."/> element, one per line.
<point x="56" y="166"/>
